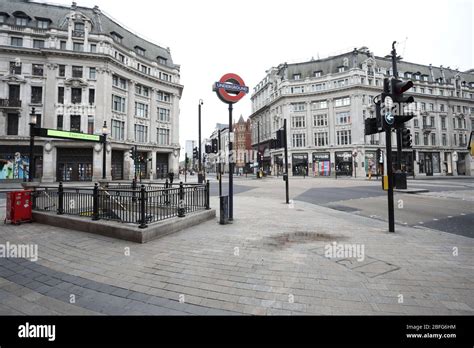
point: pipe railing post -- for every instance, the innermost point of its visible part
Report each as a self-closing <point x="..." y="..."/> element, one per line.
<point x="181" y="208"/>
<point x="208" y="203"/>
<point x="95" y="203"/>
<point x="142" y="207"/>
<point x="60" y="199"/>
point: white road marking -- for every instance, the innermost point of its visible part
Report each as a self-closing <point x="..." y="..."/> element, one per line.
<point x="449" y="217"/>
<point x="435" y="219"/>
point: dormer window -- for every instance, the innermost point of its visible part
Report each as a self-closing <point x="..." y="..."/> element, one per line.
<point x="117" y="37"/>
<point x="21" y="21"/>
<point x="408" y="75"/>
<point x="139" y="50"/>
<point x="297" y="77"/>
<point x="162" y="60"/>
<point x="341" y="69"/>
<point x="3" y="17"/>
<point x="79" y="26"/>
<point x="42" y="23"/>
<point x="317" y="73"/>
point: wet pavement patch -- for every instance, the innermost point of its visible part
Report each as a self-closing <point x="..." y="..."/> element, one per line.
<point x="285" y="240"/>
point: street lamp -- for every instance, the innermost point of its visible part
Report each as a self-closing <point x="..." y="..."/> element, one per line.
<point x="105" y="131"/>
<point x="31" y="173"/>
<point x="200" y="179"/>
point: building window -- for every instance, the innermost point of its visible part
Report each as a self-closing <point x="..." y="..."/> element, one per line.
<point x="317" y="73"/>
<point x="21" y="21"/>
<point x="298" y="107"/>
<point x="12" y="124"/>
<point x="78" y="47"/>
<point x="15" y="68"/>
<point x="90" y="125"/>
<point x="444" y="140"/>
<point x="430" y="107"/>
<point x="321" y="139"/>
<point x="344" y="137"/>
<point x="116" y="37"/>
<point x="432" y="121"/>
<point x="163" y="115"/>
<point x="75" y="123"/>
<point x="142" y="90"/>
<point x="162" y="60"/>
<point x="139" y="50"/>
<point x="76" y="95"/>
<point x="42" y="24"/>
<point x="415" y="123"/>
<point x="299" y="140"/>
<point x="119" y="82"/>
<point x="298" y="122"/>
<point x="17" y="41"/>
<point x="77" y="71"/>
<point x="79" y="26"/>
<point x="441" y="107"/>
<point x="297" y="77"/>
<point x="417" y="138"/>
<point x="343" y="101"/>
<point x="443" y="122"/>
<point x="92" y="73"/>
<point x="60" y="95"/>
<point x="433" y="139"/>
<point x="62" y="70"/>
<point x="163" y="96"/>
<point x="340" y="69"/>
<point x="320" y="120"/>
<point x="91" y="96"/>
<point x="59" y="122"/>
<point x="425" y="139"/>
<point x="62" y="45"/>
<point x="93" y="48"/>
<point x="2" y="18"/>
<point x="38" y="69"/>
<point x="118" y="103"/>
<point x="38" y="43"/>
<point x="164" y="76"/>
<point x="118" y="130"/>
<point x="343" y="118"/>
<point x="141" y="135"/>
<point x="163" y="136"/>
<point x="36" y="95"/>
<point x="141" y="110"/>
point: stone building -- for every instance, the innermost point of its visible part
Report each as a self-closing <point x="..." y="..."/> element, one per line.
<point x="79" y="68"/>
<point x="326" y="101"/>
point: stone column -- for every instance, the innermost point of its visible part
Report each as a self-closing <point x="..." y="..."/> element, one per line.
<point x="49" y="162"/>
<point x="97" y="162"/>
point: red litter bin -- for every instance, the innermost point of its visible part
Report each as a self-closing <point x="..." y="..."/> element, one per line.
<point x="19" y="207"/>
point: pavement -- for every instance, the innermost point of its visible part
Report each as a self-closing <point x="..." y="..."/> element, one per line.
<point x="272" y="260"/>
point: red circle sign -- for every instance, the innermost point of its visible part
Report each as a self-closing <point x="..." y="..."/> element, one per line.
<point x="235" y="84"/>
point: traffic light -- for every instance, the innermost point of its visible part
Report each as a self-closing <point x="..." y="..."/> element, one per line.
<point x="280" y="139"/>
<point x="398" y="88"/>
<point x="195" y="153"/>
<point x="132" y="153"/>
<point x="207" y="148"/>
<point x="406" y="138"/>
<point x="214" y="147"/>
<point x="370" y="126"/>
<point x="379" y="156"/>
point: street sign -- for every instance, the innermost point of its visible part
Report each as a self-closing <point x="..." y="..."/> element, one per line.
<point x="53" y="133"/>
<point x="389" y="118"/>
<point x="230" y="88"/>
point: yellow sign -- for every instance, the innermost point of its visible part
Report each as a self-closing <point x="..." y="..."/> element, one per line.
<point x="73" y="135"/>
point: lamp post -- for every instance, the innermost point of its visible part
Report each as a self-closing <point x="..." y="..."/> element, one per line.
<point x="31" y="173"/>
<point x="200" y="179"/>
<point x="105" y="131"/>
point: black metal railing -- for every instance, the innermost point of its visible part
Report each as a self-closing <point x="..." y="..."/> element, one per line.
<point x="128" y="203"/>
<point x="10" y="103"/>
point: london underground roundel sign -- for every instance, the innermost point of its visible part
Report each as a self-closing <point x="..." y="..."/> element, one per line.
<point x="230" y="88"/>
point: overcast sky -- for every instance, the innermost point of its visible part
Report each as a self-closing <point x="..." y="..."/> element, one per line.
<point x="209" y="38"/>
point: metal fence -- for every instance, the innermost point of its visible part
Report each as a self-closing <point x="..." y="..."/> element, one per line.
<point x="123" y="203"/>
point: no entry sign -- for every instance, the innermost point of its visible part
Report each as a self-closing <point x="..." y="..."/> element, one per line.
<point x="230" y="88"/>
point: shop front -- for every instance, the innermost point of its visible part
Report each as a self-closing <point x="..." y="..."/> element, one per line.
<point x="278" y="165"/>
<point x="14" y="162"/>
<point x="74" y="164"/>
<point x="344" y="163"/>
<point x="371" y="163"/>
<point x="429" y="163"/>
<point x="321" y="164"/>
<point x="162" y="165"/>
<point x="300" y="164"/>
<point x="407" y="161"/>
<point x="117" y="165"/>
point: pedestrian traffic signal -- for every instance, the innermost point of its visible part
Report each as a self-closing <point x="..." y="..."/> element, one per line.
<point x="406" y="138"/>
<point x="195" y="153"/>
<point x="214" y="146"/>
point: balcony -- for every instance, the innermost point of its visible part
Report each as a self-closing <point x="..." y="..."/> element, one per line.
<point x="428" y="128"/>
<point x="10" y="103"/>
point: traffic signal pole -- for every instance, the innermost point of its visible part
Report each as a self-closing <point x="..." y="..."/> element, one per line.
<point x="219" y="163"/>
<point x="391" y="213"/>
<point x="287" y="181"/>
<point x="231" y="168"/>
